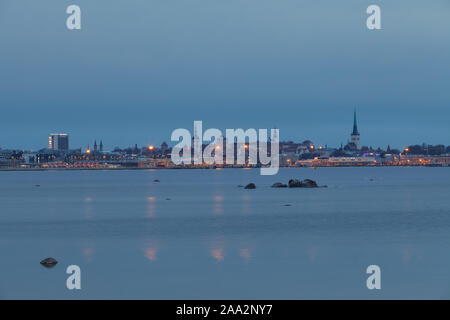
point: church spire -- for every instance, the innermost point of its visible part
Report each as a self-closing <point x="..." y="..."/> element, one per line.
<point x="354" y="137"/>
<point x="355" y="126"/>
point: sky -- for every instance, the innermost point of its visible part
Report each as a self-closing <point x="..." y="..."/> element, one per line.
<point x="139" y="69"/>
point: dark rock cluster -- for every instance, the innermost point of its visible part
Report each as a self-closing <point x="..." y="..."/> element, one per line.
<point x="49" y="262"/>
<point x="307" y="183"/>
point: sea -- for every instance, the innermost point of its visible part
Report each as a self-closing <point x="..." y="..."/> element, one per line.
<point x="198" y="234"/>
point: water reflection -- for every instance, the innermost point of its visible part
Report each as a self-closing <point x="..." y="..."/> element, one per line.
<point x="245" y="253"/>
<point x="218" y="205"/>
<point x="150" y="253"/>
<point x="217" y="250"/>
<point x="88" y="253"/>
<point x="217" y="254"/>
<point x="406" y="254"/>
<point x="88" y="212"/>
<point x="245" y="208"/>
<point x="151" y="248"/>
<point x="151" y="207"/>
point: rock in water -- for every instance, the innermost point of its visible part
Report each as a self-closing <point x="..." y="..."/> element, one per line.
<point x="49" y="262"/>
<point x="250" y="186"/>
<point x="307" y="183"/>
<point x="294" y="183"/>
<point x="156" y="180"/>
<point x="279" y="185"/>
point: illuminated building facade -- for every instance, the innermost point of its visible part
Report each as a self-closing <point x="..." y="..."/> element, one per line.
<point x="58" y="141"/>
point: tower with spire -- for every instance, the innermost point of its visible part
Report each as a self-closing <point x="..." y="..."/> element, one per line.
<point x="354" y="137"/>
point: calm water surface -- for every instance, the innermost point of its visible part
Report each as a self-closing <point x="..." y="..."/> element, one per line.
<point x="196" y="235"/>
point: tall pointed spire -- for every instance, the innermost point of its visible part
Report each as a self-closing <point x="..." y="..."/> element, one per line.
<point x="354" y="137"/>
<point x="355" y="126"/>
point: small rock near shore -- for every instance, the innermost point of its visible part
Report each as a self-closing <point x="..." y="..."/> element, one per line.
<point x="250" y="186"/>
<point x="49" y="262"/>
<point x="279" y="185"/>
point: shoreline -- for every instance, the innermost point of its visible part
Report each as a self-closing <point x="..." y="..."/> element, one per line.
<point x="220" y="168"/>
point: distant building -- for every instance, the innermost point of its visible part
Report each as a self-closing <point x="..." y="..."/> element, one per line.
<point x="354" y="137"/>
<point x="58" y="141"/>
<point x="164" y="147"/>
<point x="29" y="157"/>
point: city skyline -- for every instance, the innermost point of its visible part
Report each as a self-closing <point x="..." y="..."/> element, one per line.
<point x="111" y="145"/>
<point x="54" y="142"/>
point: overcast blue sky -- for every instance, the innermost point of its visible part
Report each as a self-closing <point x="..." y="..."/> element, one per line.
<point x="139" y="69"/>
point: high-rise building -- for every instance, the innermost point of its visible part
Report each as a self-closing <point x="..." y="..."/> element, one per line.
<point x="354" y="137"/>
<point x="58" y="141"/>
